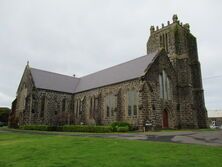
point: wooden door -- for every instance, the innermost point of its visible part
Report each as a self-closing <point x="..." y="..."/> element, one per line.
<point x="165" y="119"/>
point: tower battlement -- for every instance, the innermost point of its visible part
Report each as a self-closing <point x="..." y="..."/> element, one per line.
<point x="175" y="37"/>
<point x="164" y="27"/>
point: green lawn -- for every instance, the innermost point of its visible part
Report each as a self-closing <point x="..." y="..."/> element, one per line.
<point x="27" y="150"/>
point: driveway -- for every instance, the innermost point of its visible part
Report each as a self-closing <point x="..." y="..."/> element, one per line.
<point x="212" y="138"/>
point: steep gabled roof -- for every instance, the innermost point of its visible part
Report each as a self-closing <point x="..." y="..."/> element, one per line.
<point x="54" y="81"/>
<point x="119" y="73"/>
<point x="123" y="72"/>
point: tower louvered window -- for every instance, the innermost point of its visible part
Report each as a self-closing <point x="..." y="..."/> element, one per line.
<point x="164" y="41"/>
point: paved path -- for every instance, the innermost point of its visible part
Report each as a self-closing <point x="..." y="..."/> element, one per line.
<point x="212" y="138"/>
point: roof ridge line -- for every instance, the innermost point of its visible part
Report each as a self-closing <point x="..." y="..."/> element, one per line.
<point x="117" y="65"/>
<point x="54" y="73"/>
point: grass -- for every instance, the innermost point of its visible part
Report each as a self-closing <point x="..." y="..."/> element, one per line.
<point x="33" y="150"/>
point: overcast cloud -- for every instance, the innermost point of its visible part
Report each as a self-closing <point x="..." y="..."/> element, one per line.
<point x="81" y="37"/>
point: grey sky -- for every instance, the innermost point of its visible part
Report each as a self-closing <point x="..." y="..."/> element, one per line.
<point x="81" y="37"/>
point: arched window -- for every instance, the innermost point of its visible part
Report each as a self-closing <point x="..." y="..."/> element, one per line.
<point x="76" y="108"/>
<point x="34" y="104"/>
<point x="132" y="102"/>
<point x="79" y="106"/>
<point x="91" y="109"/>
<point x="64" y="105"/>
<point x="93" y="106"/>
<point x="42" y="109"/>
<point x="22" y="97"/>
<point x="110" y="105"/>
<point x="165" y="86"/>
<point x="81" y="101"/>
<point x="161" y="85"/>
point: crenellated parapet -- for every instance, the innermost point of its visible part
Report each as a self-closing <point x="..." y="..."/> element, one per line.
<point x="163" y="26"/>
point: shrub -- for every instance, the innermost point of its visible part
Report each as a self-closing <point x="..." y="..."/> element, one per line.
<point x="70" y="128"/>
<point x="54" y="128"/>
<point x="35" y="127"/>
<point x="116" y="125"/>
<point x="123" y="129"/>
<point x="87" y="128"/>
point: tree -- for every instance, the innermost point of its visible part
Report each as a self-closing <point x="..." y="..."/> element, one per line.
<point x="4" y="114"/>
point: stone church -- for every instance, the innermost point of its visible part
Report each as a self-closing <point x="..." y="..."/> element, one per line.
<point x="163" y="87"/>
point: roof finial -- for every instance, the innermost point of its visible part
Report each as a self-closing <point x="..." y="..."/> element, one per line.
<point x="27" y="63"/>
<point x="175" y="18"/>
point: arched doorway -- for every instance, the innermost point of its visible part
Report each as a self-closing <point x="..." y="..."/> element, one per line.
<point x="165" y="119"/>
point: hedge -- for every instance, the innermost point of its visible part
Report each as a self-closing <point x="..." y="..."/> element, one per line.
<point x="55" y="128"/>
<point x="123" y="129"/>
<point x="69" y="128"/>
<point x="87" y="128"/>
<point x="35" y="127"/>
<point x="116" y="125"/>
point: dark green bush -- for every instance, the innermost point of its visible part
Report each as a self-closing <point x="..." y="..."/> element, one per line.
<point x="87" y="128"/>
<point x="123" y="129"/>
<point x="55" y="128"/>
<point x="35" y="127"/>
<point x="116" y="125"/>
<point x="77" y="128"/>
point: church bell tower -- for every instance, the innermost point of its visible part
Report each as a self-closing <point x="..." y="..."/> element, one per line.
<point x="181" y="47"/>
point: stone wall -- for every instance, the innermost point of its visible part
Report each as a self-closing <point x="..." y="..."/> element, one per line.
<point x="118" y="90"/>
<point x="52" y="114"/>
<point x="28" y="107"/>
<point x="23" y="95"/>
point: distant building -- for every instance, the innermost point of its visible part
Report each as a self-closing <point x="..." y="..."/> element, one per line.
<point x="215" y="117"/>
<point x="164" y="87"/>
